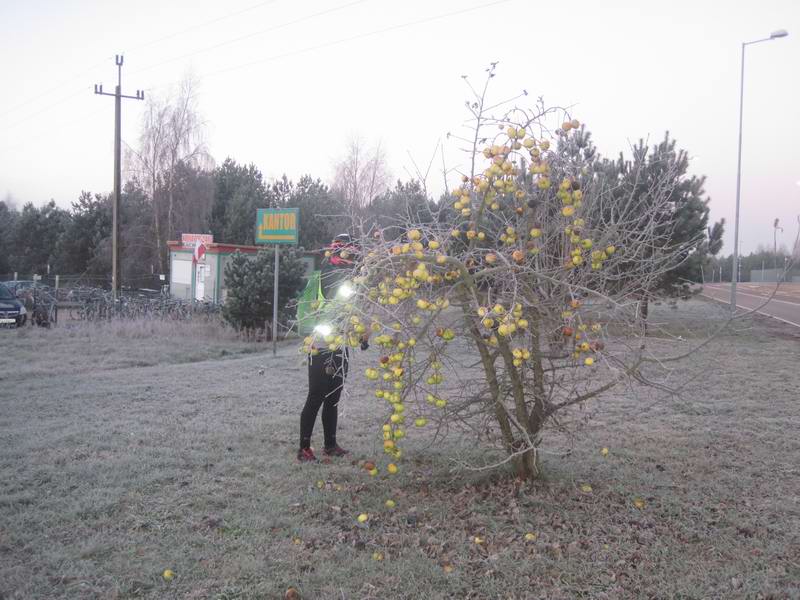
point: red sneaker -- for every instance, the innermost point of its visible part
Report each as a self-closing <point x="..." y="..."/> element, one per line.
<point x="306" y="455"/>
<point x="335" y="451"/>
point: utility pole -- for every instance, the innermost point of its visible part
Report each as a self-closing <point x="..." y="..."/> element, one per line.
<point x="118" y="96"/>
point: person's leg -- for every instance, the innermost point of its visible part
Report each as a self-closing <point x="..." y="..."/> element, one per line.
<point x="330" y="408"/>
<point x="330" y="415"/>
<point x="317" y="389"/>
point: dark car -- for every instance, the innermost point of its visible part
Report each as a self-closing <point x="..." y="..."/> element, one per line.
<point x="12" y="311"/>
<point x="18" y="286"/>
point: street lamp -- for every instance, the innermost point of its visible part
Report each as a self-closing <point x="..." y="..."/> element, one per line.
<point x="775" y="228"/>
<point x="773" y="36"/>
<point x="739" y="265"/>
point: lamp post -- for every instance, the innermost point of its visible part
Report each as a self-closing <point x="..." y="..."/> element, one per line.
<point x="773" y="36"/>
<point x="738" y="276"/>
<point x="775" y="228"/>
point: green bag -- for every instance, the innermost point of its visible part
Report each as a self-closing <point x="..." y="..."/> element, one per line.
<point x="309" y="304"/>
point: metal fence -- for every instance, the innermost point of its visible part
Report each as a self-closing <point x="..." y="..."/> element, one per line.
<point x="53" y="298"/>
<point x="774" y="275"/>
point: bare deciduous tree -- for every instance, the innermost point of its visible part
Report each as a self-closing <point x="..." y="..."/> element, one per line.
<point x="148" y="160"/>
<point x="185" y="142"/>
<point x="9" y="201"/>
<point x="172" y="137"/>
<point x="362" y="174"/>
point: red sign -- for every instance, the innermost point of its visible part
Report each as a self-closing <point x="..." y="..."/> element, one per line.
<point x="199" y="251"/>
<point x="191" y="239"/>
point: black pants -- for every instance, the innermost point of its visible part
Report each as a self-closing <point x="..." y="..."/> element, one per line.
<point x="326" y="374"/>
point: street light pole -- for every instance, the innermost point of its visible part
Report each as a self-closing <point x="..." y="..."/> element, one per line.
<point x="773" y="36"/>
<point x="739" y="264"/>
<point x="775" y="227"/>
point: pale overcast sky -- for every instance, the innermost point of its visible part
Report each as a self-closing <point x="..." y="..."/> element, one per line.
<point x="285" y="84"/>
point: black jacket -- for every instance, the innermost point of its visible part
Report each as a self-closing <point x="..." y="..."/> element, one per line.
<point x="331" y="277"/>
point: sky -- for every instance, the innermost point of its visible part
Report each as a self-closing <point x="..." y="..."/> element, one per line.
<point x="285" y="85"/>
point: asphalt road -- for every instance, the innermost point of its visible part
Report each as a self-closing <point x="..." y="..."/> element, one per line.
<point x="784" y="306"/>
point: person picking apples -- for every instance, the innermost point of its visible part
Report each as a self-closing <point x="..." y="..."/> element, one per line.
<point x="328" y="365"/>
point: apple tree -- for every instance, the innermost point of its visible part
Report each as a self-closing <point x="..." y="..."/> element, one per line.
<point x="519" y="301"/>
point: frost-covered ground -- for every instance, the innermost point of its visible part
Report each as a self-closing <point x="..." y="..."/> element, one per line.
<point x="127" y="450"/>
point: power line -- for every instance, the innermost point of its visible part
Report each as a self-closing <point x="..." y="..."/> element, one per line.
<point x="253" y="34"/>
<point x="46" y="108"/>
<point x="360" y="36"/>
<point x="299" y="51"/>
<point x="200" y="25"/>
<point x="49" y="132"/>
<point x="81" y="91"/>
<point x="96" y="65"/>
<point x="49" y="91"/>
<point x="345" y="40"/>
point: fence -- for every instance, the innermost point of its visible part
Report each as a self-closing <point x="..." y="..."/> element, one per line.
<point x="147" y="283"/>
<point x="48" y="298"/>
<point x="774" y="275"/>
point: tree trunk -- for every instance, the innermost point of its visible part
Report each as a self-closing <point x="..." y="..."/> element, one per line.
<point x="170" y="205"/>
<point x="537" y="416"/>
<point x="157" y="226"/>
<point x="526" y="461"/>
<point x="644" y="309"/>
<point x="494" y="389"/>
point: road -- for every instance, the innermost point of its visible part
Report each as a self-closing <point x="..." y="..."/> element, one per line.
<point x="784" y="306"/>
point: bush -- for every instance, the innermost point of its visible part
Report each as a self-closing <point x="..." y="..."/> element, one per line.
<point x="249" y="280"/>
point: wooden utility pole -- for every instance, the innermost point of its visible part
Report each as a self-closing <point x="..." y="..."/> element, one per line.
<point x="118" y="96"/>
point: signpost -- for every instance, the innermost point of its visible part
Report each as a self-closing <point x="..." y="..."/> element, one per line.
<point x="277" y="226"/>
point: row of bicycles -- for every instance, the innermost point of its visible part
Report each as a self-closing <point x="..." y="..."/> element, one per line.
<point x="99" y="305"/>
<point x="87" y="303"/>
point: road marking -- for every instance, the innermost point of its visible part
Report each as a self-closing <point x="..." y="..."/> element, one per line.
<point x="770" y="299"/>
<point x="738" y="291"/>
<point x="761" y="312"/>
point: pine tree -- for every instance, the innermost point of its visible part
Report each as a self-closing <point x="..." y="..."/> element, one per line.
<point x="321" y="212"/>
<point x="36" y="234"/>
<point x="238" y="191"/>
<point x="682" y="226"/>
<point x="249" y="281"/>
<point x="84" y="235"/>
<point x="8" y="222"/>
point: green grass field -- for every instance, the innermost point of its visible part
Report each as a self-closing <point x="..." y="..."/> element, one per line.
<point x="129" y="449"/>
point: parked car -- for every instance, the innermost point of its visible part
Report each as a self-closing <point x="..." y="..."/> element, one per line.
<point x="18" y="286"/>
<point x="12" y="311"/>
